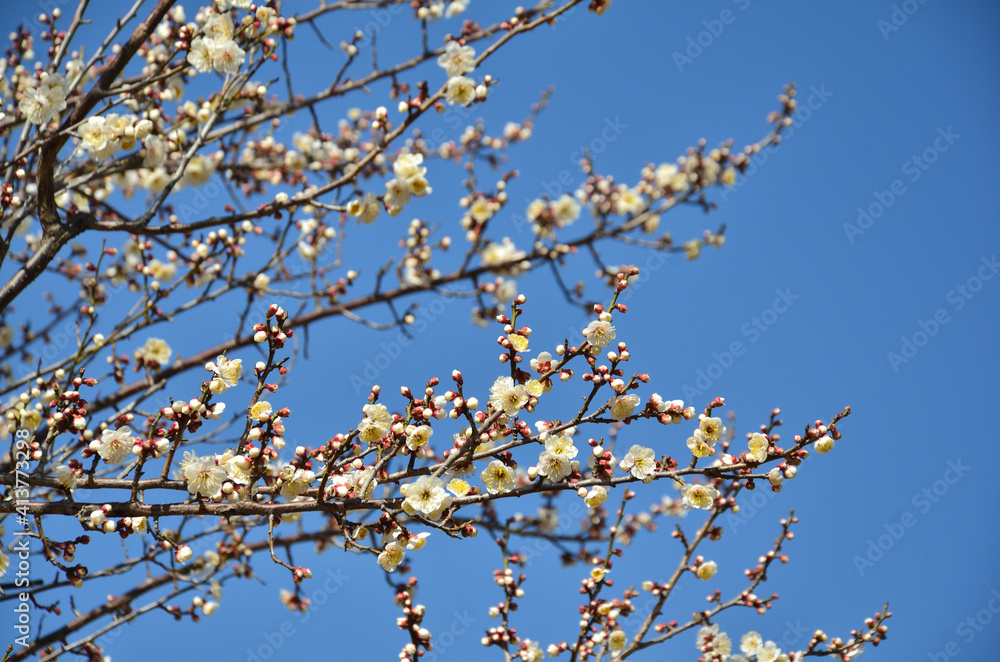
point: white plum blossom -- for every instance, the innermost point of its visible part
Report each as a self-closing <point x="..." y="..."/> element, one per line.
<point x="498" y="477"/>
<point x="553" y="466"/>
<point x="115" y="445"/>
<point x="215" y="48"/>
<point x="461" y="91"/>
<point x="295" y="481"/>
<point x="639" y="462"/>
<point x="65" y="477"/>
<point x="204" y="476"/>
<point x="154" y="350"/>
<point x="227" y="373"/>
<point x="418" y="437"/>
<point x="375" y="424"/>
<point x="698" y="496"/>
<point x="43" y="103"/>
<point x="457" y="59"/>
<point x="600" y="333"/>
<point x="391" y="556"/>
<point x="596" y="496"/>
<point x="507" y="396"/>
<point x="427" y="496"/>
<point x="622" y="406"/>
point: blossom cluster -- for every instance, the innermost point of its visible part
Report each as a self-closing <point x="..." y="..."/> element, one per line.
<point x="215" y="47"/>
<point x="103" y="137"/>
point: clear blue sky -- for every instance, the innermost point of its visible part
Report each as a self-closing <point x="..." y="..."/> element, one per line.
<point x="898" y="123"/>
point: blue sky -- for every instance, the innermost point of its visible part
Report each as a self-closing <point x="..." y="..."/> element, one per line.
<point x="859" y="269"/>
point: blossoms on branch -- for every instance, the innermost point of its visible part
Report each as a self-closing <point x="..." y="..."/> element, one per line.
<point x="391" y="556"/>
<point x="712" y="428"/>
<point x="699" y="445"/>
<point x="155" y="352"/>
<point x="426" y="496"/>
<point x="215" y="47"/>
<point x="417" y="437"/>
<point x="639" y="462"/>
<point x="698" y="496"/>
<point x="114" y="446"/>
<point x="554" y="466"/>
<point x="204" y="476"/>
<point x="824" y="444"/>
<point x="43" y="103"/>
<point x="707" y="570"/>
<point x="104" y="136"/>
<point x="294" y="481"/>
<point x="461" y="91"/>
<point x="457" y="59"/>
<point x="600" y="333"/>
<point x="623" y="406"/>
<point x="595" y="496"/>
<point x="507" y="396"/>
<point x="758" y="446"/>
<point x="375" y="424"/>
<point x="227" y="373"/>
<point x="498" y="477"/>
<point x="366" y="209"/>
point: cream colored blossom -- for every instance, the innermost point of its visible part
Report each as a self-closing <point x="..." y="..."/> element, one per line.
<point x="518" y="342"/>
<point x="228" y="57"/>
<point x="227" y="373"/>
<point x="458" y="487"/>
<point x="155" y="350"/>
<point x="507" y="396"/>
<point x="457" y="59"/>
<point x="699" y="446"/>
<point x="566" y="210"/>
<point x="553" y="466"/>
<point x="419" y="437"/>
<point x="498" y="477"/>
<point x="600" y="333"/>
<point x="427" y="496"/>
<point x="561" y="445"/>
<point x="622" y="406"/>
<point x="200" y="54"/>
<point x="707" y="570"/>
<point x="65" y="477"/>
<point x="639" y="462"/>
<point x="204" y="476"/>
<point x="596" y="496"/>
<point x="391" y="556"/>
<point x="461" y="91"/>
<point x="115" y="445"/>
<point x="823" y="445"/>
<point x="751" y="643"/>
<point x="260" y="409"/>
<point x="712" y="428"/>
<point x="407" y="166"/>
<point x="758" y="446"/>
<point x="375" y="424"/>
<point x="698" y="496"/>
<point x="295" y="481"/>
